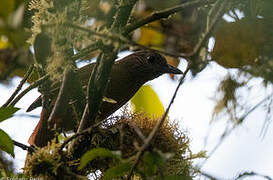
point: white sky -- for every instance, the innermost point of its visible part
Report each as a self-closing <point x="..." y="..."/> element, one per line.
<point x="243" y="150"/>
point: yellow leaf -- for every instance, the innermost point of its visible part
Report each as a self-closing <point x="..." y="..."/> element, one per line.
<point x="146" y="100"/>
<point x="3" y="42"/>
<point x="109" y="100"/>
<point x="151" y="35"/>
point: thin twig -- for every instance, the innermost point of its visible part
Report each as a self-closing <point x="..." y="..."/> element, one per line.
<point x="164" y="14"/>
<point x="196" y="49"/>
<point x="157" y="126"/>
<point x="62" y="98"/>
<point x="132" y="43"/>
<point x="108" y="35"/>
<point x="84" y="116"/>
<point x="79" y="133"/>
<point x="122" y="15"/>
<point x="29" y="88"/>
<point x="244" y="174"/>
<point x="23" y="146"/>
<point x="209" y="28"/>
<point x="74" y="175"/>
<point x="19" y="87"/>
<point x="207" y="175"/>
<point x="211" y="14"/>
<point x="253" y="108"/>
<point x="86" y="131"/>
<point x="121" y="137"/>
<point x="120" y="39"/>
<point x="87" y="50"/>
<point x="227" y="132"/>
<point x="138" y="131"/>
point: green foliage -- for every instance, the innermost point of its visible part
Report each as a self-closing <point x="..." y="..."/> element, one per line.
<point x="117" y="171"/>
<point x="46" y="162"/>
<point x="95" y="153"/>
<point x="7" y="112"/>
<point x="6" y="143"/>
<point x="234" y="47"/>
<point x="152" y="162"/>
<point x="6" y="165"/>
<point x="169" y="152"/>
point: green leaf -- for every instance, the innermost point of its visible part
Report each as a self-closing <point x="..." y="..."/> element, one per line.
<point x="146" y="100"/>
<point x="6" y="143"/>
<point x="109" y="100"/>
<point x="151" y="162"/>
<point x="117" y="171"/>
<point x="7" y="112"/>
<point x="98" y="152"/>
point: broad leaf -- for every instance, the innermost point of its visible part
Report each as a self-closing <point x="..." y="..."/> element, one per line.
<point x="7" y="112"/>
<point x="151" y="35"/>
<point x="117" y="171"/>
<point x="151" y="162"/>
<point x="6" y="143"/>
<point x="94" y="153"/>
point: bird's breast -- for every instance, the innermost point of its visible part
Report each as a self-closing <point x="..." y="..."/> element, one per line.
<point x="121" y="90"/>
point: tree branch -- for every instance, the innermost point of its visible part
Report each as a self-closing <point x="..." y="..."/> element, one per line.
<point x="87" y="50"/>
<point x="84" y="132"/>
<point x="97" y="85"/>
<point x="228" y="131"/>
<point x="164" y="14"/>
<point x="99" y="78"/>
<point x="23" y="146"/>
<point x="210" y="26"/>
<point x="19" y="87"/>
<point x="149" y="139"/>
<point x="60" y="106"/>
<point x="29" y="88"/>
<point x="245" y="174"/>
<point x="123" y="14"/>
<point x="120" y="39"/>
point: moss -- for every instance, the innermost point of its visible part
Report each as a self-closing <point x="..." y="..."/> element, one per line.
<point x="118" y="134"/>
<point x="45" y="162"/>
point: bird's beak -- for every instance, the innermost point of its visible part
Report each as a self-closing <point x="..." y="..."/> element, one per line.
<point x="172" y="70"/>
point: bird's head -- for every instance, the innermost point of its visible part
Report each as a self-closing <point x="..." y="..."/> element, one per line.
<point x="149" y="65"/>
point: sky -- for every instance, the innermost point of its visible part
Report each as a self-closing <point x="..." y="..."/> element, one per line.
<point x="243" y="150"/>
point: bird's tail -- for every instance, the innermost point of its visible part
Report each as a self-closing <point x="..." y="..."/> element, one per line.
<point x="41" y="134"/>
<point x="35" y="104"/>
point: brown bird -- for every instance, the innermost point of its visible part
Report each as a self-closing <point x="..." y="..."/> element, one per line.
<point x="127" y="76"/>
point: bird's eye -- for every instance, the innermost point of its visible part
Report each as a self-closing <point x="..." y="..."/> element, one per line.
<point x="151" y="59"/>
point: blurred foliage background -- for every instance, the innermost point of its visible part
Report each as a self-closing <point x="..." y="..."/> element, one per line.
<point x="242" y="41"/>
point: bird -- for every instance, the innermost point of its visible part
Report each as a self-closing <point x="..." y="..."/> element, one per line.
<point x="126" y="78"/>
